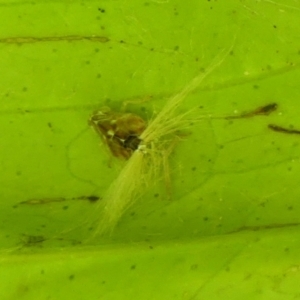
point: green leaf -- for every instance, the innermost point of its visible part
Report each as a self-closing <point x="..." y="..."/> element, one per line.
<point x="231" y="228"/>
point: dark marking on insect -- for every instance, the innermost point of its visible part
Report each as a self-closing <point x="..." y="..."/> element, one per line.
<point x="132" y="142"/>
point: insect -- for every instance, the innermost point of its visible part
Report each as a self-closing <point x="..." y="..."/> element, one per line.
<point x="146" y="147"/>
<point x="120" y="131"/>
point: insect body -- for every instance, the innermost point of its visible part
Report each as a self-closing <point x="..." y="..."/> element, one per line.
<point x="119" y="131"/>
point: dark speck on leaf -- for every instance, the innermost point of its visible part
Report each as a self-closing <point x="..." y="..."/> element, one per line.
<point x="93" y="198"/>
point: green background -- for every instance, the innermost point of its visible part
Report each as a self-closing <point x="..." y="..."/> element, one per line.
<point x="231" y="229"/>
